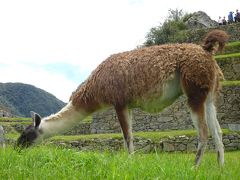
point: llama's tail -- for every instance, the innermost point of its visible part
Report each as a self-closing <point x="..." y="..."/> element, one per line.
<point x="213" y="38"/>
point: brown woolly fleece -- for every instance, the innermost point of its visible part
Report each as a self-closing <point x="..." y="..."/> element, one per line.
<point x="125" y="77"/>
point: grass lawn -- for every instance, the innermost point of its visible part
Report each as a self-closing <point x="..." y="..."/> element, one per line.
<point x="154" y="136"/>
<point x="233" y="44"/>
<point x="55" y="163"/>
<point x="230" y="83"/>
<point x="222" y="57"/>
<point x="15" y="119"/>
<point x="232" y="47"/>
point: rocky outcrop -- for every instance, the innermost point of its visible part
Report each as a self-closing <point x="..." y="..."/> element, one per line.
<point x="200" y="20"/>
<point x="196" y="35"/>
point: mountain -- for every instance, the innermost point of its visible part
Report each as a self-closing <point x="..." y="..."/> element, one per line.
<point x="19" y="99"/>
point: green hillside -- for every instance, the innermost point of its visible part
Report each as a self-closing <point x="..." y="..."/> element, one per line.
<point x="19" y="99"/>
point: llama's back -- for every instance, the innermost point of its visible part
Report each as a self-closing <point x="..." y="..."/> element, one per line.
<point x="131" y="75"/>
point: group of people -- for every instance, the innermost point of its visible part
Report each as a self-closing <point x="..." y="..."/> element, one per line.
<point x="231" y="18"/>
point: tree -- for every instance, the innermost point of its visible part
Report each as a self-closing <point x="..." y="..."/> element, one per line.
<point x="169" y="31"/>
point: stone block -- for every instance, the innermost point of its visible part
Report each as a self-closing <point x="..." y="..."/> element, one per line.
<point x="168" y="147"/>
<point x="191" y="147"/>
<point x="2" y="140"/>
<point x="226" y="141"/>
<point x="181" y="147"/>
<point x="234" y="127"/>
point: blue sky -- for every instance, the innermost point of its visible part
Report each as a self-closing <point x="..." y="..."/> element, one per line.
<point x="55" y="44"/>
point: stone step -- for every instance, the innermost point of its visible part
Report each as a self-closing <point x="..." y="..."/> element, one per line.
<point x="233" y="47"/>
<point x="181" y="143"/>
<point x="230" y="66"/>
<point x="14" y="127"/>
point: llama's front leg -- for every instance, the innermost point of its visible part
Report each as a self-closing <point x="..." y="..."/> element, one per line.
<point x="125" y="120"/>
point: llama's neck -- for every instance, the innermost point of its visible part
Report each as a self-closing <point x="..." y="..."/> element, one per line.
<point x="61" y="121"/>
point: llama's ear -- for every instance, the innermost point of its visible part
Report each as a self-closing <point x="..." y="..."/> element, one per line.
<point x="36" y="119"/>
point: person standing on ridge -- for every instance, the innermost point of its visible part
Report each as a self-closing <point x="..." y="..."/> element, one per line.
<point x="230" y="17"/>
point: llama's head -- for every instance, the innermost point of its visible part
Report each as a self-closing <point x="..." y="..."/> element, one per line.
<point x="31" y="133"/>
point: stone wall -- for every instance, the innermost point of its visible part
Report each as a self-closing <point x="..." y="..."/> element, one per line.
<point x="82" y="128"/>
<point x="229" y="108"/>
<point x="176" y="116"/>
<point x="169" y="144"/>
<point x="230" y="67"/>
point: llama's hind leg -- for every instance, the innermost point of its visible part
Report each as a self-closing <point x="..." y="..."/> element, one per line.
<point x="196" y="99"/>
<point x="125" y="119"/>
<point x="214" y="128"/>
<point x="198" y="119"/>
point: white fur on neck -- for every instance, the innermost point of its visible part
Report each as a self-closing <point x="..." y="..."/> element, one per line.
<point x="67" y="117"/>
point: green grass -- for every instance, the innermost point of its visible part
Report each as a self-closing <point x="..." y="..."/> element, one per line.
<point x="224" y="56"/>
<point x="86" y="136"/>
<point x="232" y="47"/>
<point x="55" y="163"/>
<point x="154" y="136"/>
<point x="18" y="119"/>
<point x="230" y="83"/>
<point x="11" y="127"/>
<point x="15" y="119"/>
<point x="11" y="123"/>
<point x="12" y="135"/>
<point x="87" y="119"/>
<point x="233" y="44"/>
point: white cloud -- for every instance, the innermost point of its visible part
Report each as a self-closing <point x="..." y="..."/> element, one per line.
<point x="55" y="83"/>
<point x="81" y="33"/>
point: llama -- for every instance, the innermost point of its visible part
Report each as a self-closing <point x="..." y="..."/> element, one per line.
<point x="150" y="78"/>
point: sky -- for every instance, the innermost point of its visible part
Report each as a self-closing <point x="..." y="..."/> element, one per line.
<point x="56" y="44"/>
